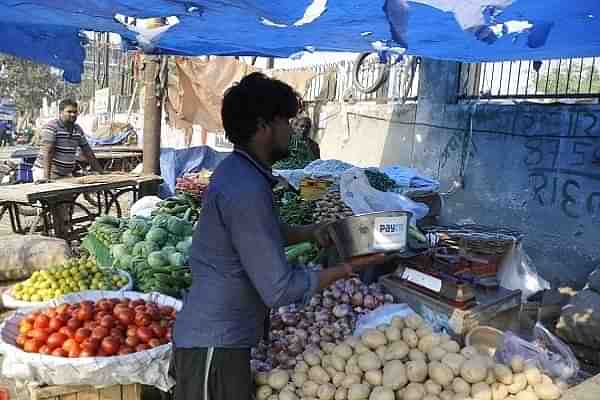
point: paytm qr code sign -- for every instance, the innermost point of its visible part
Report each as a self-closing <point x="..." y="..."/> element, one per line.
<point x="389" y="233"/>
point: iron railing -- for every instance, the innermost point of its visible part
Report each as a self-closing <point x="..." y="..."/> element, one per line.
<point x="577" y="78"/>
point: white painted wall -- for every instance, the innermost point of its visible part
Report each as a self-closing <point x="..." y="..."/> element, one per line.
<point x="347" y="133"/>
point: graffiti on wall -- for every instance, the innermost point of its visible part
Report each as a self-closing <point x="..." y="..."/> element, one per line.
<point x="562" y="157"/>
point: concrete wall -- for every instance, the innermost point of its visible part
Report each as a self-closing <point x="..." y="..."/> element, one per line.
<point x="535" y="168"/>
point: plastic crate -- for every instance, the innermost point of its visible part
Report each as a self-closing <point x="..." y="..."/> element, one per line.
<point x="24" y="173"/>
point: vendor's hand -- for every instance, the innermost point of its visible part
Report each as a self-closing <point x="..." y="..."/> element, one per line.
<point x="322" y="236"/>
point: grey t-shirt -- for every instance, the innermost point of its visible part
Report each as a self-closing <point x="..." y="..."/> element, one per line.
<point x="65" y="144"/>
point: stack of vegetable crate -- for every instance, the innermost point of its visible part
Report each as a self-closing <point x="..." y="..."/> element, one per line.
<point x="66" y="392"/>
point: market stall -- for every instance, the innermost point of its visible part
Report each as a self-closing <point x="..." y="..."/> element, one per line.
<point x="50" y="197"/>
<point x="412" y="332"/>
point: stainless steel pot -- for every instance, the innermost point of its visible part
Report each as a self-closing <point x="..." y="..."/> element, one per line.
<point x="371" y="233"/>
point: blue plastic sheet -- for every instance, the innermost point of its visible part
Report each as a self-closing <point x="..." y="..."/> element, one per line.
<point x="474" y="31"/>
<point x="175" y="163"/>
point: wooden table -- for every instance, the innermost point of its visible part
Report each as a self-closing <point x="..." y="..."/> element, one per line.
<point x="53" y="197"/>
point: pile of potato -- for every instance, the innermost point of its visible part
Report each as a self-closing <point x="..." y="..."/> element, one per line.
<point x="404" y="361"/>
<point x="331" y="207"/>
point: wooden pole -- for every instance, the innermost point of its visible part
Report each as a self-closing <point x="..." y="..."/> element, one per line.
<point x="152" y="115"/>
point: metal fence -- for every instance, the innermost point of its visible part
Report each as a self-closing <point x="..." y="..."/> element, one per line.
<point x="577" y="78"/>
<point x="336" y="82"/>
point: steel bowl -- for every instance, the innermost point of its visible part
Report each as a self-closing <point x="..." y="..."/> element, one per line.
<point x="371" y="233"/>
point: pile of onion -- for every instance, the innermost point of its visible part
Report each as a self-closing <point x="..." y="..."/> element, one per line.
<point x="328" y="317"/>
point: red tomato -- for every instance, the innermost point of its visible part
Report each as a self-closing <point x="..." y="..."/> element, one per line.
<point x="87" y="303"/>
<point x="139" y="308"/>
<point x="126" y="350"/>
<point x="32" y="317"/>
<point x="142" y="347"/>
<point x="131" y="330"/>
<point x="20" y="340"/>
<point x="99" y="315"/>
<point x="85" y="313"/>
<point x="56" y="323"/>
<point x="90" y="344"/>
<point x="63" y="309"/>
<point x="145" y="334"/>
<point x="166" y="311"/>
<point x="158" y="330"/>
<point x="107" y="321"/>
<point x="81" y="334"/>
<point x="154" y="342"/>
<point x="69" y="344"/>
<point x="164" y="341"/>
<point x="137" y="302"/>
<point x="120" y="308"/>
<point x="68" y="331"/>
<point x="51" y="312"/>
<point x="105" y="305"/>
<point x="100" y="332"/>
<point x="75" y="351"/>
<point x="114" y="301"/>
<point x="25" y="327"/>
<point x="169" y="334"/>
<point x="142" y="319"/>
<point x="87" y="353"/>
<point x="33" y="345"/>
<point x="153" y="313"/>
<point x="42" y="321"/>
<point x="40" y="334"/>
<point x="117" y="332"/>
<point x="56" y="339"/>
<point x="74" y="323"/>
<point x="59" y="352"/>
<point x="101" y="353"/>
<point x="132" y="341"/>
<point x="45" y="350"/>
<point x="125" y="317"/>
<point x="110" y="345"/>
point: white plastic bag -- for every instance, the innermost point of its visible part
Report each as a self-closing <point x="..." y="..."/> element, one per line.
<point x="382" y="315"/>
<point x="150" y="367"/>
<point x="517" y="272"/>
<point x="144" y="206"/>
<point x="362" y="198"/>
<point x="546" y="351"/>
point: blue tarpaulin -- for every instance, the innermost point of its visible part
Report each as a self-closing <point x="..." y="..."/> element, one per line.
<point x="48" y="31"/>
<point x="175" y="163"/>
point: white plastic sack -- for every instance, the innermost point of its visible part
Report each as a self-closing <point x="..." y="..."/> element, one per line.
<point x="144" y="206"/>
<point x="517" y="272"/>
<point x="21" y="255"/>
<point x="381" y="315"/>
<point x="362" y="198"/>
<point x="150" y="367"/>
<point x="10" y="302"/>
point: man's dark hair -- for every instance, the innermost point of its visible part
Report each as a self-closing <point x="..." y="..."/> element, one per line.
<point x="256" y="97"/>
<point x="66" y="103"/>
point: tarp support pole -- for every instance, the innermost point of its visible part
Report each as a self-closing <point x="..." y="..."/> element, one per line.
<point x="152" y="115"/>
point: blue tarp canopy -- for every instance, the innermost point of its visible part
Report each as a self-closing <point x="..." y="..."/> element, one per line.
<point x="48" y="31"/>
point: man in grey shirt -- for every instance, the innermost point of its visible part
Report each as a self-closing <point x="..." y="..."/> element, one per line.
<point x="238" y="261"/>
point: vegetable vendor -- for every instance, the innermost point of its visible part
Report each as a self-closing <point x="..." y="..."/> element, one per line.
<point x="237" y="258"/>
<point x="60" y="139"/>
